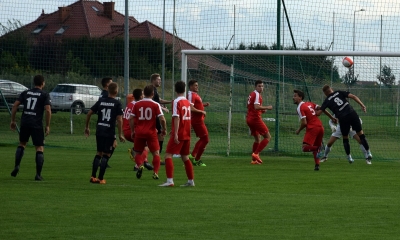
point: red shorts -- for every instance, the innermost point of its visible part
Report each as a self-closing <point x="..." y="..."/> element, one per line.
<point x="151" y="142"/>
<point x="314" y="136"/>
<point x="183" y="148"/>
<point x="200" y="129"/>
<point x="257" y="127"/>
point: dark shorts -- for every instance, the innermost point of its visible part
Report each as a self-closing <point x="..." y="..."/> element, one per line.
<point x="36" y="133"/>
<point x="350" y="120"/>
<point x="104" y="144"/>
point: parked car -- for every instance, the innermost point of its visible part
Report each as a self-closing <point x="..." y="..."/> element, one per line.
<point x="10" y="91"/>
<point x="77" y="97"/>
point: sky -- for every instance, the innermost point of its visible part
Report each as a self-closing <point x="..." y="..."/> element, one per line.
<point x="217" y="24"/>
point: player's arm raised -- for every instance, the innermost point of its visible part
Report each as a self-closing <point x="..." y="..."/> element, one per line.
<point x="355" y="98"/>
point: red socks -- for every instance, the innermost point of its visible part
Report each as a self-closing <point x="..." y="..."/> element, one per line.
<point x="255" y="146"/>
<point x="156" y="163"/>
<point x="138" y="159"/>
<point x="189" y="169"/>
<point x="169" y="168"/>
<point x="261" y="145"/>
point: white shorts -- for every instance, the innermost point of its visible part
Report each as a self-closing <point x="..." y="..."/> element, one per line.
<point x="338" y="132"/>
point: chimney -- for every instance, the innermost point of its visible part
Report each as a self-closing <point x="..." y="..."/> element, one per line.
<point x="64" y="13"/>
<point x="109" y="9"/>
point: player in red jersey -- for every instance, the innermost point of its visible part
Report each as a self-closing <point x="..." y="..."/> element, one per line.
<point x="137" y="95"/>
<point x="309" y="120"/>
<point x="179" y="141"/>
<point x="143" y="129"/>
<point x="255" y="123"/>
<point x="197" y="121"/>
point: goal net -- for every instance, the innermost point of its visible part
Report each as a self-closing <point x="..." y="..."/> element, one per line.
<point x="226" y="78"/>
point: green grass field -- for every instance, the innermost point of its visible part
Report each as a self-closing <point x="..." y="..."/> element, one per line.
<point x="282" y="199"/>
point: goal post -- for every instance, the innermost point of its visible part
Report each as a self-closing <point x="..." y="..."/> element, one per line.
<point x="226" y="78"/>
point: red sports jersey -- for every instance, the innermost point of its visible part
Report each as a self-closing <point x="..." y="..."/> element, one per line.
<point x="307" y="110"/>
<point x="126" y="116"/>
<point x="254" y="98"/>
<point x="145" y="112"/>
<point x="196" y="101"/>
<point x="181" y="109"/>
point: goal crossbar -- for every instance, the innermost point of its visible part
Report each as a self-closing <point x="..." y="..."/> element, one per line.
<point x="185" y="54"/>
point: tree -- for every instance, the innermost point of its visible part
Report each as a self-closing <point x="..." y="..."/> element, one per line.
<point x="386" y="77"/>
<point x="349" y="79"/>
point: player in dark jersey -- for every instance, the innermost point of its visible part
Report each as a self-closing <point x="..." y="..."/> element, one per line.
<point x="109" y="112"/>
<point x="337" y="102"/>
<point x="104" y="93"/>
<point x="155" y="80"/>
<point x="35" y="102"/>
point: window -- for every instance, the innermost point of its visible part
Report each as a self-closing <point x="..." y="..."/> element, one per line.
<point x="18" y="87"/>
<point x="61" y="30"/>
<point x="81" y="90"/>
<point x="5" y="87"/>
<point x="95" y="8"/>
<point x="94" y="91"/>
<point x="39" y="28"/>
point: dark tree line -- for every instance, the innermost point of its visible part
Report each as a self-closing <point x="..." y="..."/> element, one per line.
<point x="21" y="53"/>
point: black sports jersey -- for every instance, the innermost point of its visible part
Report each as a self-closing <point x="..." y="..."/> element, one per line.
<point x="104" y="93"/>
<point x="156" y="97"/>
<point x="107" y="110"/>
<point x="338" y="104"/>
<point x="34" y="101"/>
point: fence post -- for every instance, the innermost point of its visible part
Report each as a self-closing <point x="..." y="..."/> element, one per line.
<point x="71" y="122"/>
<point x="277" y="90"/>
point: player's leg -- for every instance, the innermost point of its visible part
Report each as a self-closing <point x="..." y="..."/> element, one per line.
<point x="255" y="158"/>
<point x="97" y="160"/>
<point x="112" y="150"/>
<point x="172" y="148"/>
<point x="38" y="142"/>
<point x="184" y="152"/>
<point x="345" y="129"/>
<point x="335" y="136"/>
<point x="356" y="125"/>
<point x="367" y="153"/>
<point x="107" y="145"/>
<point x="318" y="142"/>
<point x="140" y="144"/>
<point x="153" y="147"/>
<point x="262" y="129"/>
<point x="146" y="163"/>
<point x="24" y="135"/>
<point x="310" y="144"/>
<point x="95" y="166"/>
<point x="201" y="132"/>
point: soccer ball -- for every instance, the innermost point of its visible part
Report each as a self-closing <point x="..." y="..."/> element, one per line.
<point x="347" y="62"/>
